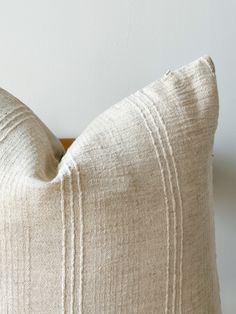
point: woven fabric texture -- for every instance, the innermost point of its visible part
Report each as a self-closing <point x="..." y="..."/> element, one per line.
<point x="123" y="221"/>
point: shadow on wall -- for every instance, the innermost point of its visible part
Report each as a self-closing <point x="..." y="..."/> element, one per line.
<point x="224" y="176"/>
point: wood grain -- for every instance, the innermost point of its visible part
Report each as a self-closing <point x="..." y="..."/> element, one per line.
<point x="66" y="142"/>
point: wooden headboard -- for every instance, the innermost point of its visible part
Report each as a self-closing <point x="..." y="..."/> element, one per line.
<point x="66" y="142"/>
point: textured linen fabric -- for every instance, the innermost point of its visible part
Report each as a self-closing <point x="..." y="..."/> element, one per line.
<point x="122" y="222"/>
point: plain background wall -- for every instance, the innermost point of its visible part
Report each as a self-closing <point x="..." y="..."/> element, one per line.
<point x="70" y="60"/>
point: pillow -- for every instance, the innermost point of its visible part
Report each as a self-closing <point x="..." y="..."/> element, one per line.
<point x="122" y="222"/>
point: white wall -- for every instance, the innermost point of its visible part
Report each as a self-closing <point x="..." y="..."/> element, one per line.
<point x="70" y="60"/>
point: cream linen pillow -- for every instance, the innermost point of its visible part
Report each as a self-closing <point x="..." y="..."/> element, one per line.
<point x="122" y="222"/>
